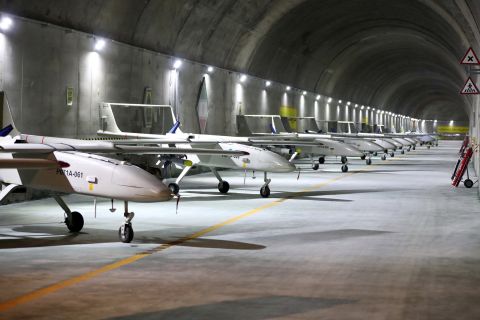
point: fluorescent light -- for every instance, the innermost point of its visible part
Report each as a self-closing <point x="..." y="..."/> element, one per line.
<point x="177" y="64"/>
<point x="243" y="78"/>
<point x="318" y="97"/>
<point x="304" y="92"/>
<point x="210" y="69"/>
<point x="5" y="23"/>
<point x="288" y="88"/>
<point x="99" y="44"/>
<point x="268" y="84"/>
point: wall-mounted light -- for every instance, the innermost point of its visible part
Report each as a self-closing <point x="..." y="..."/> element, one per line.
<point x="339" y="101"/>
<point x="177" y="64"/>
<point x="268" y="83"/>
<point x="368" y="108"/>
<point x="304" y="92"/>
<point x="288" y="88"/>
<point x="318" y="97"/>
<point x="5" y="23"/>
<point x="99" y="44"/>
<point x="329" y="100"/>
<point x="348" y="103"/>
<point x="210" y="69"/>
<point x="451" y="122"/>
<point x="243" y="78"/>
<point x="356" y="105"/>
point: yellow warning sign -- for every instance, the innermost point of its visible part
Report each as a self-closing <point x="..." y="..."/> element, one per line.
<point x="452" y="129"/>
<point x="289" y="112"/>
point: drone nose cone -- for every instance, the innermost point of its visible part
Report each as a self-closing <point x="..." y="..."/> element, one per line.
<point x="162" y="193"/>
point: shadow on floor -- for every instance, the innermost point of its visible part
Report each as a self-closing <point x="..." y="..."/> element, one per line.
<point x="321" y="236"/>
<point x="59" y="236"/>
<point x="307" y="195"/>
<point x="252" y="308"/>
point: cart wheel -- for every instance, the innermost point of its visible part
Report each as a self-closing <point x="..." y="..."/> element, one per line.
<point x="468" y="183"/>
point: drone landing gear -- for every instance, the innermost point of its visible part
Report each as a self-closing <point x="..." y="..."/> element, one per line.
<point x="125" y="232"/>
<point x="174" y="186"/>
<point x="223" y="186"/>
<point x="265" y="190"/>
<point x="73" y="219"/>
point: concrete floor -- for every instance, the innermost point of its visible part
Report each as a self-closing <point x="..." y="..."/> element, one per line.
<point x="389" y="241"/>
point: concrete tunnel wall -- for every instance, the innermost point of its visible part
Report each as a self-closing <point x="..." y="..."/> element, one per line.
<point x="38" y="62"/>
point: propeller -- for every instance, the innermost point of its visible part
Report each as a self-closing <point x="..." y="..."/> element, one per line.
<point x="178" y="202"/>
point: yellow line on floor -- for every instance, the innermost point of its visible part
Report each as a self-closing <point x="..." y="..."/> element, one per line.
<point x="39" y="293"/>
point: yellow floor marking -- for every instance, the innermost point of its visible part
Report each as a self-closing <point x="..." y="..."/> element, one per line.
<point x="39" y="293"/>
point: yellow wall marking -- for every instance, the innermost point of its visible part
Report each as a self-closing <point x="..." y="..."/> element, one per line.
<point x="39" y="293"/>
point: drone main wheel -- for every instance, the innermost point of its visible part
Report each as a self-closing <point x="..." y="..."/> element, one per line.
<point x="223" y="186"/>
<point x="75" y="222"/>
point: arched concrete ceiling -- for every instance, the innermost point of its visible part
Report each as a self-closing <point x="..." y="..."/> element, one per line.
<point x="401" y="55"/>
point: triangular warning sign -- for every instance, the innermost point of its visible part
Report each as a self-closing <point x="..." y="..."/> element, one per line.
<point x="470" y="57"/>
<point x="470" y="87"/>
